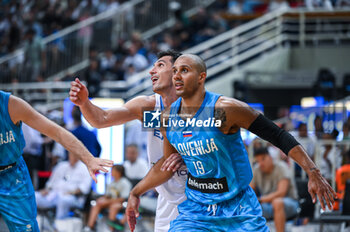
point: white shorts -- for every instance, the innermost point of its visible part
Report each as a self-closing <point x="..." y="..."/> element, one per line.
<point x="165" y="213"/>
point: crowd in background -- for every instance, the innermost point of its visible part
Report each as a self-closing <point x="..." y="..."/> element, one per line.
<point x="25" y="23"/>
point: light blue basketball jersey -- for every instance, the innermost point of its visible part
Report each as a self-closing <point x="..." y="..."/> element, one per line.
<point x="11" y="136"/>
<point x="218" y="164"/>
<point x="17" y="199"/>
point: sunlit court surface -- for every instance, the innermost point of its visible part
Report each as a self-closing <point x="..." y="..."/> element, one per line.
<point x="246" y="102"/>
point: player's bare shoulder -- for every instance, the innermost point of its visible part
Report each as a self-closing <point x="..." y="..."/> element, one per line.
<point x="144" y="101"/>
<point x="139" y="104"/>
<point x="233" y="114"/>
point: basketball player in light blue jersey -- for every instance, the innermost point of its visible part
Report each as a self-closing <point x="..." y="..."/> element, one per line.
<point x="17" y="199"/>
<point x="204" y="128"/>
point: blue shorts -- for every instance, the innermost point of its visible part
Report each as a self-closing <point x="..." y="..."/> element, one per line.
<point x="242" y="213"/>
<point x="17" y="199"/>
<point x="290" y="208"/>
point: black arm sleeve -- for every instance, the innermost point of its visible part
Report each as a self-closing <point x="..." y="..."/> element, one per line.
<point x="269" y="131"/>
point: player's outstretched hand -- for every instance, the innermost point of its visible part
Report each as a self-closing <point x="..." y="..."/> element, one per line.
<point x="78" y="93"/>
<point x="319" y="186"/>
<point x="172" y="163"/>
<point x="96" y="164"/>
<point x="132" y="211"/>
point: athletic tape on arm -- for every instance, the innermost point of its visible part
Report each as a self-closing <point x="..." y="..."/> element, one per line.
<point x="269" y="131"/>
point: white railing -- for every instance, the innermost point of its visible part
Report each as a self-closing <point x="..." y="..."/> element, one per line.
<point x="285" y="27"/>
<point x="67" y="51"/>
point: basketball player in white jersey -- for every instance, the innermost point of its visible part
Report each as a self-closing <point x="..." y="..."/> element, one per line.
<point x="171" y="193"/>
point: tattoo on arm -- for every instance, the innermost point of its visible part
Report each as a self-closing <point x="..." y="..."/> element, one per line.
<point x="220" y="114"/>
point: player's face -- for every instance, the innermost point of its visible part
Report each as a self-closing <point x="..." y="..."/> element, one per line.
<point x="161" y="74"/>
<point x="185" y="77"/>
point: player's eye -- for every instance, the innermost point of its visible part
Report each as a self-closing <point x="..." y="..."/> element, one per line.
<point x="160" y="64"/>
<point x="184" y="70"/>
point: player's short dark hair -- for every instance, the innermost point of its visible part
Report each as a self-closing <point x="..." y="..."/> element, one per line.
<point x="261" y="151"/>
<point x="170" y="52"/>
<point x="119" y="168"/>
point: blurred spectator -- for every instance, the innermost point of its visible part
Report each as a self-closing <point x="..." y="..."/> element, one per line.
<point x="135" y="167"/>
<point x="342" y="175"/>
<point x="278" y="4"/>
<point x="346" y="146"/>
<point x="14" y="34"/>
<point x="276" y="189"/>
<point x="93" y="78"/>
<point x="35" y="58"/>
<point x="153" y="51"/>
<point x="346" y="128"/>
<point x="116" y="73"/>
<point x="107" y="61"/>
<point x="88" y="138"/>
<point x="59" y="153"/>
<point x="239" y="7"/>
<point x="307" y="141"/>
<point x="318" y="125"/>
<point x="330" y="156"/>
<point x="32" y="152"/>
<point x="67" y="186"/>
<point x="134" y="59"/>
<point x="217" y="23"/>
<point x="312" y="4"/>
<point x="117" y="192"/>
<point x="136" y="135"/>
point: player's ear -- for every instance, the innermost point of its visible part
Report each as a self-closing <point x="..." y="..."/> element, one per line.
<point x="202" y="76"/>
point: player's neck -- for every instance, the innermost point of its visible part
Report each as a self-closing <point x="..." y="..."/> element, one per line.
<point x="168" y="97"/>
<point x="191" y="104"/>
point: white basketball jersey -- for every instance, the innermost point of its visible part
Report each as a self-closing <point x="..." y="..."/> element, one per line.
<point x="174" y="189"/>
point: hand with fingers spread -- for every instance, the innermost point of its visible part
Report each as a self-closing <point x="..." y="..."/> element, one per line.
<point x="172" y="163"/>
<point x="318" y="186"/>
<point x="96" y="164"/>
<point x="132" y="210"/>
<point x="78" y="93"/>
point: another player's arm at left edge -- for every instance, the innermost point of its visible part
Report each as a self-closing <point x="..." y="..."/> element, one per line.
<point x="20" y="110"/>
<point x="238" y="114"/>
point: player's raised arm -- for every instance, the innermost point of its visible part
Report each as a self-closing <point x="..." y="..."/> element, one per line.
<point x="238" y="114"/>
<point x="100" y="118"/>
<point x="20" y="110"/>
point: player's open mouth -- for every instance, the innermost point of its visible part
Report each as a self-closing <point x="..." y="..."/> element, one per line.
<point x="178" y="85"/>
<point x="154" y="79"/>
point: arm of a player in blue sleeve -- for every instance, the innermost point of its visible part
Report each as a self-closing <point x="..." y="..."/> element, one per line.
<point x="20" y="110"/>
